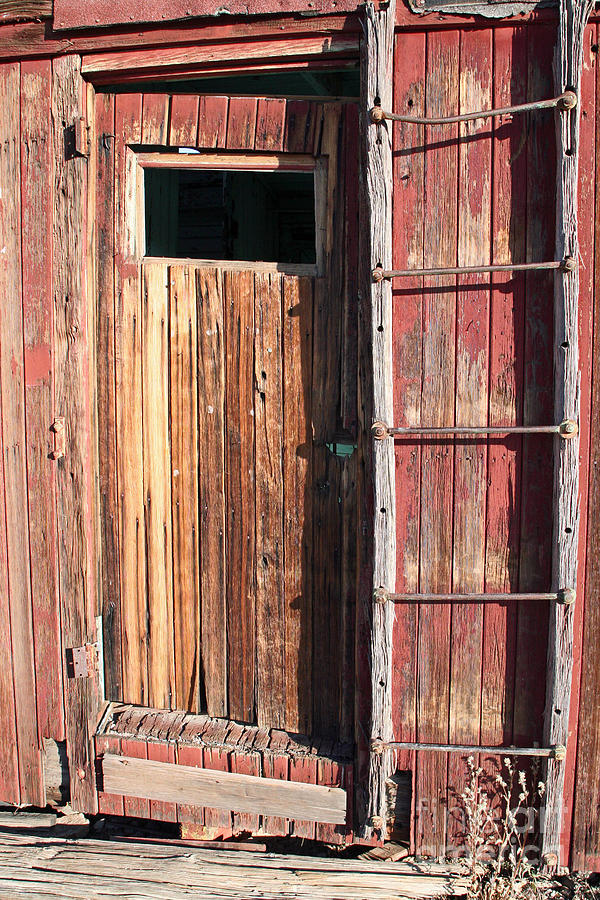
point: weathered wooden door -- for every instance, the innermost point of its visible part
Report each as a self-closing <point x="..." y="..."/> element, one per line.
<point x="225" y="389"/>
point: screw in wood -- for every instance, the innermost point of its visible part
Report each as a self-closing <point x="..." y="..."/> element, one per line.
<point x="568" y="429"/>
<point x="379" y="430"/>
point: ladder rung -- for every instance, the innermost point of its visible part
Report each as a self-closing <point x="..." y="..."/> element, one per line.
<point x="566" y="596"/>
<point x="568" y="264"/>
<point x="558" y="752"/>
<point x="565" y="101"/>
<point x="566" y="429"/>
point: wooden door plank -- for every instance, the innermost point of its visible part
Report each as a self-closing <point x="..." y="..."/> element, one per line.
<point x="217" y="819"/>
<point x="303" y="770"/>
<point x="299" y="126"/>
<point x="211" y="447"/>
<point x="128" y="377"/>
<point x="270" y="124"/>
<point x="184" y="484"/>
<point x="241" y="123"/>
<point x="189" y="755"/>
<point x="471" y="408"/>
<point x="506" y="388"/>
<point x="155" y="119"/>
<point x="36" y="80"/>
<point x="297" y="501"/>
<point x="223" y="790"/>
<point x="106" y="386"/>
<point x="9" y="770"/>
<point x="270" y="612"/>
<point x="12" y="390"/>
<point x="212" y="122"/>
<point x="183" y="120"/>
<point x="276" y="765"/>
<point x="77" y="566"/>
<point x="437" y="462"/>
<point x="239" y="377"/>
<point x="409" y="174"/>
<point x="157" y="485"/>
<point x="536" y="500"/>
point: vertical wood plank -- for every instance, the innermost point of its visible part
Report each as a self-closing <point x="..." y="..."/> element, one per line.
<point x="183" y="120"/>
<point x="106" y="386"/>
<point x="157" y="486"/>
<point x="471" y="407"/>
<point x="12" y="389"/>
<point x="9" y="770"/>
<point x="212" y="122"/>
<point x="183" y="342"/>
<point x="239" y="378"/>
<point x="297" y="496"/>
<point x="506" y="387"/>
<point x="270" y="612"/>
<point x="135" y="806"/>
<point x="276" y="765"/>
<point x="270" y="124"/>
<point x="71" y="335"/>
<point x="109" y="804"/>
<point x="188" y="755"/>
<point x="130" y="453"/>
<point x="220" y="819"/>
<point x="300" y="117"/>
<point x="162" y="752"/>
<point x="241" y="123"/>
<point x="437" y="461"/>
<point x="578" y="724"/>
<point x="245" y="764"/>
<point x="36" y="80"/>
<point x="155" y="119"/>
<point x="303" y="769"/>
<point x="211" y="451"/>
<point x="573" y="17"/>
<point x="409" y="171"/>
<point x="377" y="77"/>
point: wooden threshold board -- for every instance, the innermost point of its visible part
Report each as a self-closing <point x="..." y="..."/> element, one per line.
<point x="189" y="785"/>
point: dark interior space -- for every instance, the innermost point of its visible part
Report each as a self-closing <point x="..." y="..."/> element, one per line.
<point x="224" y="215"/>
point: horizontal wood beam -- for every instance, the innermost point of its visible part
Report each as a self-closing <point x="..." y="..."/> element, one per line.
<point x="222" y="790"/>
<point x="186" y="56"/>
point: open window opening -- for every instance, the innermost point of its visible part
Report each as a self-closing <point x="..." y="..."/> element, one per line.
<point x="230" y="215"/>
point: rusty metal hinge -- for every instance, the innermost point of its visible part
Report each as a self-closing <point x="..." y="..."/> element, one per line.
<point x="77" y="140"/>
<point x="83" y="662"/>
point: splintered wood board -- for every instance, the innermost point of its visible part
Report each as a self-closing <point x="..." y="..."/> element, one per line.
<point x="222" y="790"/>
<point x="46" y="868"/>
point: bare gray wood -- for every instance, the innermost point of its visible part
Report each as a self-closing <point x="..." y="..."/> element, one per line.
<point x="377" y="56"/>
<point x="568" y="62"/>
<point x="46" y="867"/>
<point x="222" y="790"/>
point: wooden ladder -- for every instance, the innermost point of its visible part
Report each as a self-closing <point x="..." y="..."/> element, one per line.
<point x="377" y="81"/>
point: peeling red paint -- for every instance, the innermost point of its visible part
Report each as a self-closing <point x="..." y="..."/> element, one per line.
<point x="38" y="364"/>
<point x="94" y="13"/>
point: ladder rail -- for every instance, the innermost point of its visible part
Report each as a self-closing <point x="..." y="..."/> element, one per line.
<point x="565" y="101"/>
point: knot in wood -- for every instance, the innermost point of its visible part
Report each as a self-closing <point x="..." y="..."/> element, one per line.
<point x="568" y="429"/>
<point x="568" y="100"/>
<point x="379" y="430"/>
<point x="377" y="115"/>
